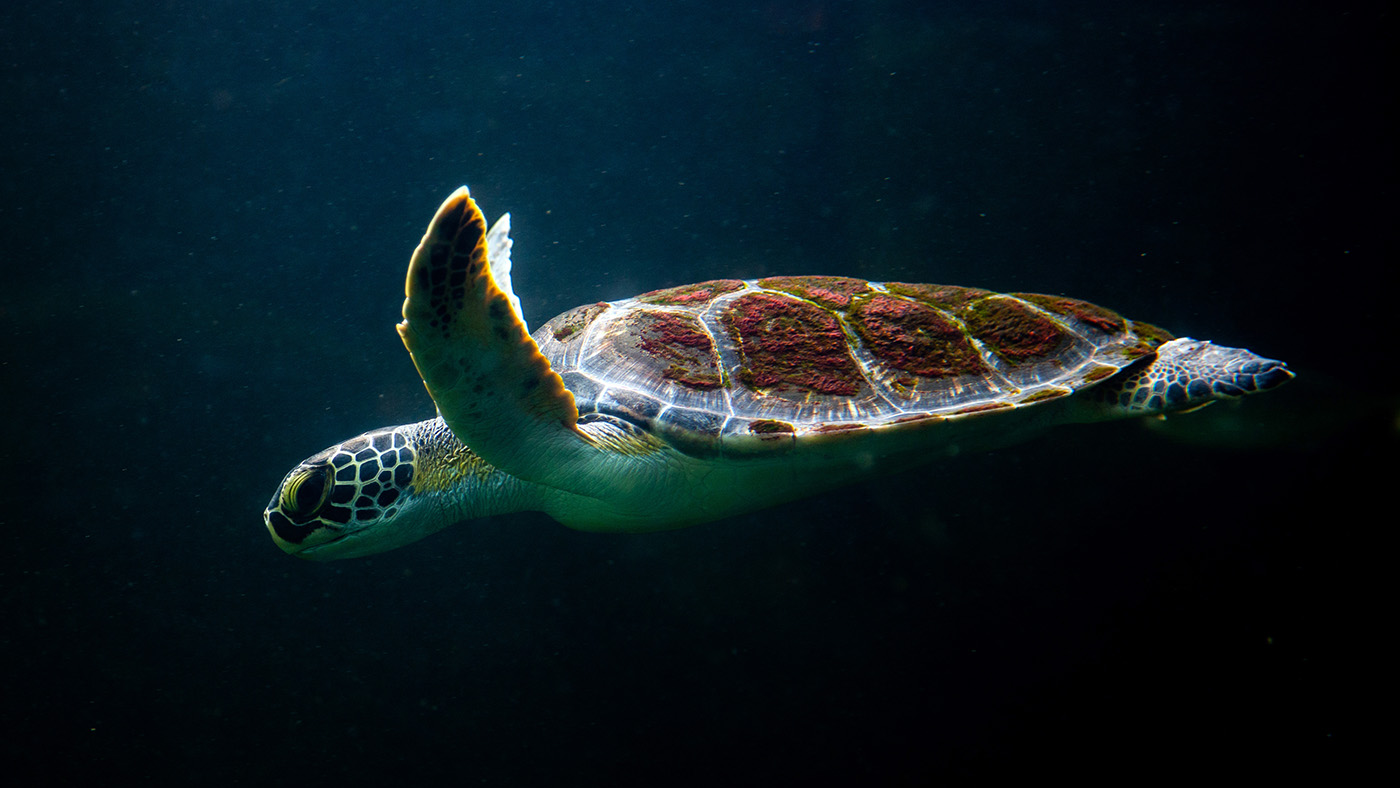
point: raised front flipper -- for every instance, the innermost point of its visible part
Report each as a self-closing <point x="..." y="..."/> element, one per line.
<point x="487" y="376"/>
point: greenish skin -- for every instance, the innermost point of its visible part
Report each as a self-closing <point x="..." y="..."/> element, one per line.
<point x="454" y="485"/>
<point x="612" y="472"/>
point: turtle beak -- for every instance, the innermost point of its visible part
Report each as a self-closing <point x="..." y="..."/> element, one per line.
<point x="299" y="540"/>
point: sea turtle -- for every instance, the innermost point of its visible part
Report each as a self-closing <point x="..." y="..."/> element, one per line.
<point x="694" y="403"/>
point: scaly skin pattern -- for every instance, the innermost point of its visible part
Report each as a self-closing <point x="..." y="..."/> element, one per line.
<point x="391" y="487"/>
<point x="1188" y="373"/>
<point x="699" y="402"/>
<point x="396" y="485"/>
<point x="370" y="478"/>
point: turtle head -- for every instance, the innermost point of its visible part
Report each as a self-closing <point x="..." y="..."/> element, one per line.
<point x="355" y="498"/>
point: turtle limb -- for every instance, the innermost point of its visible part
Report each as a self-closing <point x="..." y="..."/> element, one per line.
<point x="487" y="376"/>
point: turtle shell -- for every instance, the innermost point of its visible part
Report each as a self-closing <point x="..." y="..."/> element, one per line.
<point x="724" y="361"/>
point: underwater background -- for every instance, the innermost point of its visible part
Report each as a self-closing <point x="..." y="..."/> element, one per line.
<point x="207" y="210"/>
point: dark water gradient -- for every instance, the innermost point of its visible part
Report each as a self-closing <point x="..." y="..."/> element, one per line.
<point x="207" y="209"/>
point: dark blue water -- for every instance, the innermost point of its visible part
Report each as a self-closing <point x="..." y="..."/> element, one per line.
<point x="207" y="209"/>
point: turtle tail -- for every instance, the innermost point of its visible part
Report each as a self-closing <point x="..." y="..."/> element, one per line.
<point x="1187" y="374"/>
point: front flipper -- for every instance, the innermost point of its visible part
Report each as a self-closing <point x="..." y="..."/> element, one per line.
<point x="491" y="384"/>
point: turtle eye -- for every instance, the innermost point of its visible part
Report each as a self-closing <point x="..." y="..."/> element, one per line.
<point x="306" y="491"/>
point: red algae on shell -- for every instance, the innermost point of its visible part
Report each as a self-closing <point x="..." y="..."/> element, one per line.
<point x="698" y="294"/>
<point x="949" y="297"/>
<point x="681" y="344"/>
<point x="786" y="342"/>
<point x="1016" y="332"/>
<point x="1105" y="320"/>
<point x="835" y="292"/>
<point x="913" y="337"/>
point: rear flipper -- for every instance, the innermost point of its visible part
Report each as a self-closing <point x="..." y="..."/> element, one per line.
<point x="1187" y="374"/>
